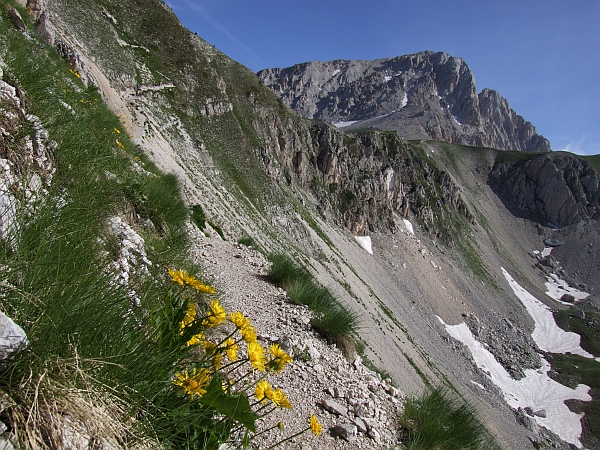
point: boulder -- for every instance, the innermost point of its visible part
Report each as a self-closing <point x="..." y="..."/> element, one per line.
<point x="12" y="338"/>
<point x="16" y="19"/>
<point x="553" y="242"/>
<point x="568" y="298"/>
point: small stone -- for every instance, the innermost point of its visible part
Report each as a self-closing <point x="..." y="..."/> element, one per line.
<point x="374" y="434"/>
<point x="334" y="407"/>
<point x="540" y="413"/>
<point x="360" y="424"/>
<point x="579" y="314"/>
<point x="346" y="431"/>
<point x="5" y="444"/>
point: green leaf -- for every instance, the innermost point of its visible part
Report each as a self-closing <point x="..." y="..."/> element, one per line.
<point x="236" y="406"/>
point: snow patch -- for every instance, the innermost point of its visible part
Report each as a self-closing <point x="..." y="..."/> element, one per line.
<point x="408" y="226"/>
<point x="556" y="288"/>
<point x="479" y="385"/>
<point x="365" y="242"/>
<point x="546" y="252"/>
<point x="387" y="78"/>
<point x="335" y="72"/>
<point x="404" y="100"/>
<point x="536" y="390"/>
<point x="547" y="335"/>
<point x="456" y="120"/>
<point x="345" y="123"/>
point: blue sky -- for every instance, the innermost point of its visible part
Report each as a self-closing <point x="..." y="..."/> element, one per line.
<point x="543" y="56"/>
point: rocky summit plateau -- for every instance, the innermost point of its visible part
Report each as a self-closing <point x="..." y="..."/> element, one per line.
<point x="131" y="149"/>
<point x="426" y="95"/>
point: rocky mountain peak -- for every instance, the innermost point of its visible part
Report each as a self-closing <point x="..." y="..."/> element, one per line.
<point x="426" y="95"/>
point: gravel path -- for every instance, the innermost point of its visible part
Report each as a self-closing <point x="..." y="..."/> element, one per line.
<point x="319" y="371"/>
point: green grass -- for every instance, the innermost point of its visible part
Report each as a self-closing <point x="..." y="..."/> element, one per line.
<point x="85" y="332"/>
<point x="333" y="321"/>
<point x="284" y="271"/>
<point x="572" y="370"/>
<point x="436" y="421"/>
<point x="594" y="161"/>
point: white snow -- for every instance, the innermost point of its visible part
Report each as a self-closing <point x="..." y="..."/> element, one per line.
<point x="408" y="226"/>
<point x="479" y="385"/>
<point x="557" y="288"/>
<point x="547" y="335"/>
<point x="335" y="72"/>
<point x="546" y="252"/>
<point x="456" y="120"/>
<point x="536" y="390"/>
<point x="365" y="242"/>
<point x="344" y="124"/>
<point x="387" y="78"/>
<point x="404" y="100"/>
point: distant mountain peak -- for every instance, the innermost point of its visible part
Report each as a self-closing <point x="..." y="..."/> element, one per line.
<point x="425" y="95"/>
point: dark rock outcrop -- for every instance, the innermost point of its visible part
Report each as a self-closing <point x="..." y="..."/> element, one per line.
<point x="426" y="95"/>
<point x="556" y="189"/>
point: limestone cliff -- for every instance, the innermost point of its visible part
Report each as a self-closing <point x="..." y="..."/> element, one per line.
<point x="426" y="95"/>
<point x="555" y="190"/>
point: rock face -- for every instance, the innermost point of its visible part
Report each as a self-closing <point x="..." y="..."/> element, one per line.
<point x="426" y="95"/>
<point x="556" y="189"/>
<point x="12" y="339"/>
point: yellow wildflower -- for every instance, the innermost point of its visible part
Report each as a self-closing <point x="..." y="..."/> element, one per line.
<point x="263" y="391"/>
<point x="190" y="316"/>
<point x="216" y="315"/>
<point x="231" y="349"/>
<point x="193" y="384"/>
<point x="244" y="325"/>
<point x="280" y="425"/>
<point x="280" y="399"/>
<point x="116" y="130"/>
<point x="256" y="356"/>
<point x="315" y="426"/>
<point x="197" y="339"/>
<point x="238" y="319"/>
<point x="279" y="358"/>
<point x="213" y="351"/>
<point x="185" y="279"/>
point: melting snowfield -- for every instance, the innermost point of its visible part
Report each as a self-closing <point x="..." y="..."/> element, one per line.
<point x="556" y="288"/>
<point x="536" y="390"/>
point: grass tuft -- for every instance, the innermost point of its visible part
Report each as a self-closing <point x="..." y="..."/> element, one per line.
<point x="284" y="271"/>
<point x="332" y="320"/>
<point x="436" y="421"/>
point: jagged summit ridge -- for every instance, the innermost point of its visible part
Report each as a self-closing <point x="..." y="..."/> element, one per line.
<point x="426" y="95"/>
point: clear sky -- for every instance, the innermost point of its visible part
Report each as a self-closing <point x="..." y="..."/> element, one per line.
<point x="543" y="56"/>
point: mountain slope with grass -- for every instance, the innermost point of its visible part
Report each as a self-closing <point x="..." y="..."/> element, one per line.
<point x="163" y="154"/>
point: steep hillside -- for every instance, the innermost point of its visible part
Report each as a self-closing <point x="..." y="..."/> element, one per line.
<point x="250" y="169"/>
<point x="422" y="96"/>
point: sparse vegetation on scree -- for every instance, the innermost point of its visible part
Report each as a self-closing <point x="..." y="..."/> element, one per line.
<point x="334" y="322"/>
<point x="155" y="361"/>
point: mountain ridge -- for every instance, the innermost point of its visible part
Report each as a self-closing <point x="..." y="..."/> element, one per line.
<point x="426" y="95"/>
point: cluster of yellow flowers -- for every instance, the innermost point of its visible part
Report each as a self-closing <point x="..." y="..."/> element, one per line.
<point x="224" y="357"/>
